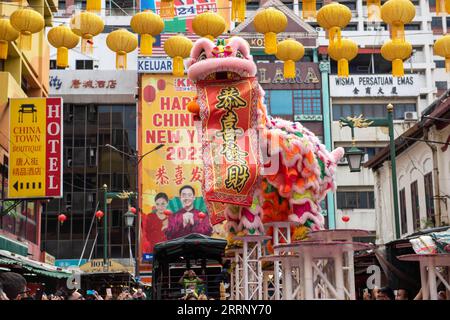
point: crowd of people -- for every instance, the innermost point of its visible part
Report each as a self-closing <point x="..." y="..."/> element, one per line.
<point x="387" y="293"/>
<point x="13" y="286"/>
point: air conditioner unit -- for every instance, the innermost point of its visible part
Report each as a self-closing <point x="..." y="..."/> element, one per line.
<point x="410" y="116"/>
<point x="318" y="29"/>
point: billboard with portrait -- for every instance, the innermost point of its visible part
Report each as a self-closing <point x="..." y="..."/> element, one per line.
<point x="172" y="202"/>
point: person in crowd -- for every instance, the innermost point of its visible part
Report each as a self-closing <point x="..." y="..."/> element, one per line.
<point x="366" y="295"/>
<point x="375" y="292"/>
<point x="202" y="296"/>
<point x="190" y="281"/>
<point x="2" y="293"/>
<point x="14" y="285"/>
<point x="139" y="295"/>
<point x="402" y="294"/>
<point x="76" y="296"/>
<point x="190" y="296"/>
<point x="188" y="219"/>
<point x="386" y="293"/>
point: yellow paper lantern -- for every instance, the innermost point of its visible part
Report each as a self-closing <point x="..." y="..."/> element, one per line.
<point x="94" y="5"/>
<point x="167" y="8"/>
<point x="148" y="24"/>
<point x="442" y="49"/>
<point x="439" y="8"/>
<point x="86" y="25"/>
<point x="121" y="41"/>
<point x="396" y="51"/>
<point x="209" y="25"/>
<point x="178" y="48"/>
<point x="373" y="10"/>
<point x="290" y="51"/>
<point x="397" y="13"/>
<point x="238" y="10"/>
<point x="7" y="34"/>
<point x="270" y="21"/>
<point x="27" y="21"/>
<point x="344" y="53"/>
<point x="333" y="17"/>
<point x="309" y="9"/>
<point x="62" y="38"/>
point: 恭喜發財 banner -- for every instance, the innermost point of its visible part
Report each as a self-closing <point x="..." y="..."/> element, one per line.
<point x="35" y="148"/>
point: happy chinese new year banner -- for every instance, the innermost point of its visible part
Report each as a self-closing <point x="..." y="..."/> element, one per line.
<point x="35" y="150"/>
<point x="172" y="202"/>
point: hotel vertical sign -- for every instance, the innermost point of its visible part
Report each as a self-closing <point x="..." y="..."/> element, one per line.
<point x="35" y="148"/>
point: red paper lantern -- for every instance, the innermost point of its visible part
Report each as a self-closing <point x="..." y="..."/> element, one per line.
<point x="99" y="214"/>
<point x="62" y="217"/>
<point x="345" y="218"/>
<point x="133" y="210"/>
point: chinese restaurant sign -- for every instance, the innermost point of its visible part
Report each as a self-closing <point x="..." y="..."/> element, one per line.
<point x="167" y="211"/>
<point x="91" y="82"/>
<point x="35" y="150"/>
<point x="377" y="86"/>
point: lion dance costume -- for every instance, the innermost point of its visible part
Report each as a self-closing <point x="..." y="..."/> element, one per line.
<point x="257" y="169"/>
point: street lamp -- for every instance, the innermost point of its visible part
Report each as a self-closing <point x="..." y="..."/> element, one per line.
<point x="129" y="222"/>
<point x="354" y="159"/>
<point x="137" y="159"/>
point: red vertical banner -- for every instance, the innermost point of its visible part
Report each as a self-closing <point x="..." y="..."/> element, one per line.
<point x="54" y="147"/>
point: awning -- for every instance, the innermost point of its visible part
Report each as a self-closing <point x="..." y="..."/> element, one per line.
<point x="44" y="269"/>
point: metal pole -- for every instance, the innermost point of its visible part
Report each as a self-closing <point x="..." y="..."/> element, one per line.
<point x="390" y="109"/>
<point x="129" y="243"/>
<point x="137" y="233"/>
<point x="105" y="229"/>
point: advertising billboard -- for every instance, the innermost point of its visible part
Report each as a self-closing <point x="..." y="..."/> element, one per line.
<point x="172" y="202"/>
<point x="35" y="150"/>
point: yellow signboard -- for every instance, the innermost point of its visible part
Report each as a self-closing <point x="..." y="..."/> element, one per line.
<point x="96" y="265"/>
<point x="172" y="201"/>
<point x="35" y="151"/>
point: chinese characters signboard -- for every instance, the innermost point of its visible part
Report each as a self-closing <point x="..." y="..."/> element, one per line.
<point x="90" y="82"/>
<point x="35" y="149"/>
<point x="377" y="86"/>
<point x="167" y="210"/>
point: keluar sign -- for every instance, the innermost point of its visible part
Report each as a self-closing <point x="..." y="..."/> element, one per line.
<point x="35" y="150"/>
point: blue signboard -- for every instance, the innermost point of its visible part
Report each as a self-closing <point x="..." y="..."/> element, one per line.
<point x="64" y="263"/>
<point x="147" y="257"/>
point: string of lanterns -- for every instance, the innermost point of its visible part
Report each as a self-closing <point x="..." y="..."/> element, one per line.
<point x="333" y="17"/>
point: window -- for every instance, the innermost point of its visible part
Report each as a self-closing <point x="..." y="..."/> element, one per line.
<point x="440" y="63"/>
<point x="415" y="205"/>
<point x="282" y="102"/>
<point x="371" y="110"/>
<point x="307" y="102"/>
<point x="429" y="198"/>
<point x="84" y="65"/>
<point x="404" y="224"/>
<point x="291" y="102"/>
<point x="355" y="200"/>
<point x="441" y="85"/>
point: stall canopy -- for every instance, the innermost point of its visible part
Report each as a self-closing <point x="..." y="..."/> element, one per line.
<point x="192" y="246"/>
<point x="14" y="261"/>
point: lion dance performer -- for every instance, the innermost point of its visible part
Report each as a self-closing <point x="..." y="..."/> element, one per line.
<point x="257" y="169"/>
